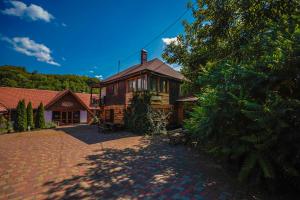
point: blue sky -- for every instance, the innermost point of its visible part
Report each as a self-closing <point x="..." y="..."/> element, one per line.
<point x="84" y="37"/>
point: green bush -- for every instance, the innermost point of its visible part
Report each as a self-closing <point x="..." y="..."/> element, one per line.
<point x="141" y="118"/>
<point x="30" y="121"/>
<point x="40" y="117"/>
<point x="21" y="122"/>
<point x="3" y="124"/>
<point x="158" y="121"/>
<point x="136" y="115"/>
<point x="50" y="125"/>
<point x="243" y="61"/>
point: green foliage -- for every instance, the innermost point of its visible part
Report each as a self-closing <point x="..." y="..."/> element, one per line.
<point x="137" y="115"/>
<point x="158" y="121"/>
<point x="141" y="118"/>
<point x="30" y="121"/>
<point x="40" y="117"/>
<point x="11" y="76"/>
<point x="3" y="124"/>
<point x="50" y="125"/>
<point x="21" y="120"/>
<point x="242" y="59"/>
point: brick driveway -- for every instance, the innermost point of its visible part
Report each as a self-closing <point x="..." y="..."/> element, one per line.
<point x="79" y="163"/>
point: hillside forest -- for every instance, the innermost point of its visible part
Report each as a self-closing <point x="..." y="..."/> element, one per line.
<point x="12" y="76"/>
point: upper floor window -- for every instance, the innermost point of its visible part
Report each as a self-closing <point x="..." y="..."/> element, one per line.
<point x="153" y="84"/>
<point x="115" y="89"/>
<point x="163" y="86"/>
<point x="131" y="85"/>
<point x="137" y="84"/>
<point x="145" y="83"/>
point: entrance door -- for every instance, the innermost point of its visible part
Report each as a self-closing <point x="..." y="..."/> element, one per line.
<point x="69" y="118"/>
<point x="63" y="117"/>
<point x="76" y="117"/>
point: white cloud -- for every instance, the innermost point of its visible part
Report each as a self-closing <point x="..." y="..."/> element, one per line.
<point x="168" y="41"/>
<point x="29" y="47"/>
<point x="91" y="71"/>
<point x="33" y="12"/>
<point x="99" y="77"/>
<point x="64" y="25"/>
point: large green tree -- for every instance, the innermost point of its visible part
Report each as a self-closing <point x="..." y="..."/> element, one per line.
<point x="30" y="121"/>
<point x="40" y="117"/>
<point x="21" y="120"/>
<point x="242" y="58"/>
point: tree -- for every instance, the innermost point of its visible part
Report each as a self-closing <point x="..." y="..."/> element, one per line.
<point x="21" y="122"/>
<point x="141" y="118"/>
<point x="40" y="117"/>
<point x="18" y="77"/>
<point x="137" y="115"/>
<point x="30" y="121"/>
<point x="242" y="59"/>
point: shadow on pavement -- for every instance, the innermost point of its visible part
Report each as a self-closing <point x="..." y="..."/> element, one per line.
<point x="90" y="135"/>
<point x="151" y="170"/>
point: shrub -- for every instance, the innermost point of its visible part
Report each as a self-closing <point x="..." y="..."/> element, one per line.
<point x="40" y="117"/>
<point x="30" y="121"/>
<point x="50" y="125"/>
<point x="3" y="124"/>
<point x="140" y="117"/>
<point x="137" y="114"/>
<point x="158" y="121"/>
<point x="243" y="63"/>
<point x="21" y="122"/>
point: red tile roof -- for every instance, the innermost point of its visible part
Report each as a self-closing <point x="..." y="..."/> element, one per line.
<point x="3" y="108"/>
<point x="154" y="65"/>
<point x="9" y="97"/>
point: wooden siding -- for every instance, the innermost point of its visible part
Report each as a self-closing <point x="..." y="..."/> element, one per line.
<point x="66" y="103"/>
<point x="160" y="100"/>
<point x="157" y="98"/>
<point x="118" y="111"/>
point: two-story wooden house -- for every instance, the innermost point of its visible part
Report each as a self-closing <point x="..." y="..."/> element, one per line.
<point x="156" y="76"/>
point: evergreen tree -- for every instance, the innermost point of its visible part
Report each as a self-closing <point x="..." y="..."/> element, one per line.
<point x="40" y="117"/>
<point x="30" y="116"/>
<point x="21" y="122"/>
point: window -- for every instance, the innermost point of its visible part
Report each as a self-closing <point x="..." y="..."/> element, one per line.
<point x="144" y="83"/>
<point x="139" y="84"/>
<point x="163" y="86"/>
<point x="153" y="84"/>
<point x="132" y="85"/>
<point x="115" y="89"/>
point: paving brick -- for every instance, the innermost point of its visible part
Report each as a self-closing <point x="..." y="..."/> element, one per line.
<point x="79" y="163"/>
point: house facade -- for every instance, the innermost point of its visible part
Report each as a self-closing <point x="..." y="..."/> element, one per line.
<point x="155" y="76"/>
<point x="62" y="107"/>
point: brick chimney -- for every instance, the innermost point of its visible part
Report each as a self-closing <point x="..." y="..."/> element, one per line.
<point x="143" y="56"/>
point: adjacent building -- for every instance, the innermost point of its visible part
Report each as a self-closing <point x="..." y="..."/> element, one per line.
<point x="62" y="107"/>
<point x="154" y="75"/>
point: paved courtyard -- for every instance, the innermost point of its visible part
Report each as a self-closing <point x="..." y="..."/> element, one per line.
<point x="79" y="163"/>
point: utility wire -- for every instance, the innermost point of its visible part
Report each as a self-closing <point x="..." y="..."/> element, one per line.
<point x="159" y="35"/>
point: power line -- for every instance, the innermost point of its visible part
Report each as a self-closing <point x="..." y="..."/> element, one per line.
<point x="159" y="35"/>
